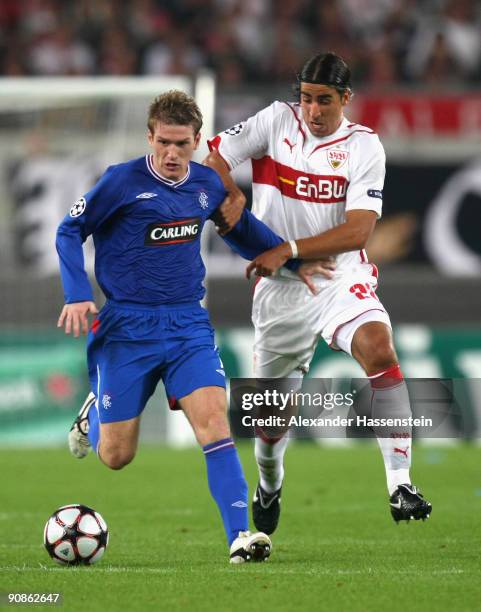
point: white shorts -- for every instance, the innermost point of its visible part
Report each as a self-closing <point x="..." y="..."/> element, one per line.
<point x="289" y="320"/>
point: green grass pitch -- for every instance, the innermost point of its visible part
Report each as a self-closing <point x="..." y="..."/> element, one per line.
<point x="337" y="547"/>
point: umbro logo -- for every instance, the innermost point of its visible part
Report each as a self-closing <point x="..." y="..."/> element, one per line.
<point x="289" y="144"/>
<point x="145" y="196"/>
<point x="239" y="504"/>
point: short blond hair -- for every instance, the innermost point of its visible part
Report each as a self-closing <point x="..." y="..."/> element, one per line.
<point x="175" y="107"/>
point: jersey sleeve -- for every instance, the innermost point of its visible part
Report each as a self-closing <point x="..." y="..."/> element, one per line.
<point x="250" y="237"/>
<point x="245" y="140"/>
<point x="219" y="192"/>
<point x="85" y="216"/>
<point x="368" y="169"/>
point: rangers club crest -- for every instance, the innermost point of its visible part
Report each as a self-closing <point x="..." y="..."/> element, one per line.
<point x="203" y="200"/>
<point x="337" y="158"/>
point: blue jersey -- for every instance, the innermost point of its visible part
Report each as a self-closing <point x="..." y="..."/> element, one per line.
<point x="146" y="231"/>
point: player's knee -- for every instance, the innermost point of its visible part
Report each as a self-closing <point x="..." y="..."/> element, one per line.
<point x="381" y="356"/>
<point x="213" y="427"/>
<point x="374" y="350"/>
<point x="115" y="458"/>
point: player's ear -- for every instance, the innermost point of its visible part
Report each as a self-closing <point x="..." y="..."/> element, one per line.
<point x="150" y="137"/>
<point x="345" y="97"/>
<point x="197" y="140"/>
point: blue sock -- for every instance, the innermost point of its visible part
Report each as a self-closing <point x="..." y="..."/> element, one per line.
<point x="94" y="427"/>
<point x="227" y="485"/>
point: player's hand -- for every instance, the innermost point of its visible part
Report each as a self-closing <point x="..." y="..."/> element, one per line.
<point x="267" y="263"/>
<point x="74" y="317"/>
<point x="229" y="212"/>
<point x="323" y="267"/>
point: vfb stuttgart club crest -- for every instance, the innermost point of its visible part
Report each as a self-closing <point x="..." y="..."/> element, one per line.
<point x="337" y="158"/>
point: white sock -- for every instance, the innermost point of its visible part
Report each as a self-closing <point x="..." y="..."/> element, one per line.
<point x="395" y="475"/>
<point x="393" y="402"/>
<point x="270" y="461"/>
<point x="270" y="456"/>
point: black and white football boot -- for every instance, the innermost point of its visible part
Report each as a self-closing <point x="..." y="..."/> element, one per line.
<point x="408" y="504"/>
<point x="78" y="441"/>
<point x="249" y="547"/>
<point x="266" y="509"/>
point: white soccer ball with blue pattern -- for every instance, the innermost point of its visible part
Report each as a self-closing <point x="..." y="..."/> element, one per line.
<point x="76" y="535"/>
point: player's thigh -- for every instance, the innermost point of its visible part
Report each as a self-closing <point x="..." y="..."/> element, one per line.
<point x="271" y="365"/>
<point x="123" y="375"/>
<point x="118" y="442"/>
<point x="194" y="375"/>
<point x="123" y="392"/>
<point x="349" y="301"/>
<point x="284" y="341"/>
<point x="206" y="410"/>
<point x="193" y="360"/>
<point x="356" y="337"/>
<point x="124" y="378"/>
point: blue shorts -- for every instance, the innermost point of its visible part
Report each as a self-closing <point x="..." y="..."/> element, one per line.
<point x="130" y="349"/>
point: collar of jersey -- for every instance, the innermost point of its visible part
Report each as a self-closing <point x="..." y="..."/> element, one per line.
<point x="149" y="160"/>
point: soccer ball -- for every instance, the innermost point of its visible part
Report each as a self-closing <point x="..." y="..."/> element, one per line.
<point x="75" y="535"/>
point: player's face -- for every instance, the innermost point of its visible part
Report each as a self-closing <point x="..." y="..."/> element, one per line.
<point x="173" y="147"/>
<point x="322" y="108"/>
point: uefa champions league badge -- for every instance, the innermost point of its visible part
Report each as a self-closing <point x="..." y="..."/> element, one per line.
<point x="203" y="200"/>
<point x="235" y="130"/>
<point x="78" y="208"/>
<point x="337" y="158"/>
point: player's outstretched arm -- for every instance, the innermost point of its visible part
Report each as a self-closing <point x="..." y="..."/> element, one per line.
<point x="75" y="317"/>
<point x="250" y="237"/>
<point x="270" y="261"/>
<point x="349" y="236"/>
<point x="230" y="211"/>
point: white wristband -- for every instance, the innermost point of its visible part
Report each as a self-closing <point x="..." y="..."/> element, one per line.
<point x="294" y="249"/>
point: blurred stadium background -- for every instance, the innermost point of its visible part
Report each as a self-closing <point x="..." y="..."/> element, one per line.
<point x="76" y="78"/>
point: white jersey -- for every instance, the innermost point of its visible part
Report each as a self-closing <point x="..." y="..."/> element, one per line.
<point x="303" y="185"/>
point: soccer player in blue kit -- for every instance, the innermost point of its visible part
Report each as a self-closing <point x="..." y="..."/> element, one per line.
<point x="146" y="217"/>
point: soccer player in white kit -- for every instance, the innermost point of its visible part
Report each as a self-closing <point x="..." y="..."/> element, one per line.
<point x="317" y="181"/>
